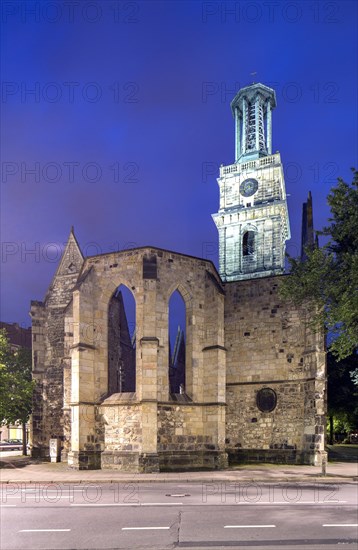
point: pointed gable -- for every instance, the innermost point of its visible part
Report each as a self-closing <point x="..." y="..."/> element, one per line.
<point x="72" y="259"/>
<point x="66" y="276"/>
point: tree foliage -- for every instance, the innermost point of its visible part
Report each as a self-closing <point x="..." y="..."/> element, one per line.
<point x="327" y="280"/>
<point x="342" y="394"/>
<point x="16" y="385"/>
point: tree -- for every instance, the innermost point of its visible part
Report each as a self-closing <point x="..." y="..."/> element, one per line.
<point x="16" y="386"/>
<point x="342" y="394"/>
<point x="327" y="280"/>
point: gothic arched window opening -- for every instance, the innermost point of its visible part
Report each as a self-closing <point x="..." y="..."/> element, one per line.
<point x="121" y="342"/>
<point x="248" y="243"/>
<point x="177" y="338"/>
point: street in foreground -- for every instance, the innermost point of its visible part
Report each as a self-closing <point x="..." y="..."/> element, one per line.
<point x="189" y="515"/>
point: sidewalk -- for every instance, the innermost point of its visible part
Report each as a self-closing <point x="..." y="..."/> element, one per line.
<point x="19" y="469"/>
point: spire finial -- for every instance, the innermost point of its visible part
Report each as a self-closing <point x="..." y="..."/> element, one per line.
<point x="253" y="74"/>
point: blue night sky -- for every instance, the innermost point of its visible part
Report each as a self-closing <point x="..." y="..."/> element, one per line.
<point x="116" y="117"/>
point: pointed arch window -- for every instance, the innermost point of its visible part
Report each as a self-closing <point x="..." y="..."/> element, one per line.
<point x="177" y="343"/>
<point x="121" y="342"/>
<point x="248" y="243"/>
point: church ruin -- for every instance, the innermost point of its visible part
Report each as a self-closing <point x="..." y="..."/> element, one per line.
<point x="246" y="382"/>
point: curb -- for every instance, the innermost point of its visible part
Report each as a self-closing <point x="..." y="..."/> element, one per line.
<point x="319" y="479"/>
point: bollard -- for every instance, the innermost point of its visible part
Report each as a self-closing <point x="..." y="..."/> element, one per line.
<point x="55" y="450"/>
<point x="324" y="464"/>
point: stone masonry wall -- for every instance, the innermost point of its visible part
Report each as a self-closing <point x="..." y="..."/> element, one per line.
<point x="121" y="425"/>
<point x="47" y="417"/>
<point x="270" y="346"/>
<point x="189" y="436"/>
<point x="67" y="420"/>
<point x="152" y="275"/>
<point x="240" y="338"/>
<point x="249" y="428"/>
<point x="182" y="428"/>
<point x="49" y="356"/>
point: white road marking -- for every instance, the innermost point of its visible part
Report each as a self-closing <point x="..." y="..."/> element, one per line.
<point x="44" y="530"/>
<point x="276" y="503"/>
<point x="340" y="525"/>
<point x="8" y="505"/>
<point x="41" y="497"/>
<point x="109" y="504"/>
<point x="161" y="504"/>
<point x="60" y="490"/>
<point x="247" y="526"/>
<point x="280" y="502"/>
<point x="305" y="502"/>
<point x="143" y="528"/>
<point x="133" y="504"/>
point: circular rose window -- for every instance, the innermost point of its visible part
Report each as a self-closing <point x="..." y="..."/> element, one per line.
<point x="266" y="400"/>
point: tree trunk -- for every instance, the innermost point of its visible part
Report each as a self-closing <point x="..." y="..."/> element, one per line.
<point x="331" y="429"/>
<point x="24" y="440"/>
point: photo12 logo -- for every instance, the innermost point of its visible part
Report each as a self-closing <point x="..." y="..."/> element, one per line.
<point x="69" y="11"/>
<point x="326" y="92"/>
<point x="252" y="492"/>
<point x="318" y="172"/>
<point x="270" y="12"/>
<point x="51" y="252"/>
<point x="68" y="92"/>
<point x="75" y="494"/>
<point x="69" y="172"/>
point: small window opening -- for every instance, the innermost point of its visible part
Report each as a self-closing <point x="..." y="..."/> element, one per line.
<point x="248" y="243"/>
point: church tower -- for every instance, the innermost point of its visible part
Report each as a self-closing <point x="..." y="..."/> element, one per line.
<point x="252" y="220"/>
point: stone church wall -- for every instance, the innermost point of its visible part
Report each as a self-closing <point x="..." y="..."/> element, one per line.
<point x="270" y="346"/>
<point x="48" y="348"/>
<point x="153" y="275"/>
<point x="188" y="436"/>
<point x="120" y="423"/>
<point x="240" y="338"/>
<point x="50" y="356"/>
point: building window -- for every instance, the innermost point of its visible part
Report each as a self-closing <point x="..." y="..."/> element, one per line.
<point x="150" y="267"/>
<point x="177" y="346"/>
<point x="248" y="243"/>
<point x="122" y="342"/>
<point x="266" y="400"/>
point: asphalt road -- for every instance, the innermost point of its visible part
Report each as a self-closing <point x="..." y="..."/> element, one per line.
<point x="192" y="516"/>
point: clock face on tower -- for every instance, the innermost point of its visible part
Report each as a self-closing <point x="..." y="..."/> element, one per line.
<point x="248" y="187"/>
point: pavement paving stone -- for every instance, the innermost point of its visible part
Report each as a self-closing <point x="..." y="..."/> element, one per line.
<point x="25" y="470"/>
